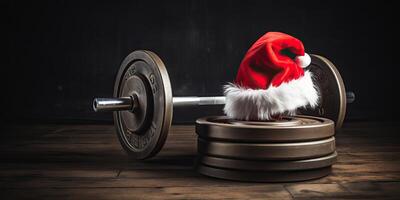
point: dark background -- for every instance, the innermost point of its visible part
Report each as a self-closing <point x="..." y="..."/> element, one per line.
<point x="59" y="55"/>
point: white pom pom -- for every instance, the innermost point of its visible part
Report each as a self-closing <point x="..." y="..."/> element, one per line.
<point x="303" y="61"/>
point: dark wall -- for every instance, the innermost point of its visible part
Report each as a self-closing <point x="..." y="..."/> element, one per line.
<point x="59" y="55"/>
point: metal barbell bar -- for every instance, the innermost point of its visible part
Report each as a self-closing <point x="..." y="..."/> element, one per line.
<point x="130" y="103"/>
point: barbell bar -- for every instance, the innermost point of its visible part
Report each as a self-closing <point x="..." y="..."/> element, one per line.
<point x="130" y="103"/>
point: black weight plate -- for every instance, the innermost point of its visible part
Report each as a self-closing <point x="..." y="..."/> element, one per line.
<point x="332" y="91"/>
<point x="267" y="151"/>
<point x="266" y="165"/>
<point x="290" y="129"/>
<point x="263" y="176"/>
<point x="142" y="133"/>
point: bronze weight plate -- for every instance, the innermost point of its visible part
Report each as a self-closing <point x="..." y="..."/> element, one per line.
<point x="143" y="132"/>
<point x="289" y="129"/>
<point x="265" y="165"/>
<point x="263" y="176"/>
<point x="267" y="151"/>
<point x="332" y="104"/>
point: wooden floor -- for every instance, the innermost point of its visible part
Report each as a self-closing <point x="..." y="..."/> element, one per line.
<point x="87" y="162"/>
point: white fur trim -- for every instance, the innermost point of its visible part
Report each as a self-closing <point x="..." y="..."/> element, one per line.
<point x="258" y="104"/>
<point x="303" y="61"/>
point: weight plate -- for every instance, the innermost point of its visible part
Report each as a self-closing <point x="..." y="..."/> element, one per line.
<point x="332" y="91"/>
<point x="263" y="176"/>
<point x="257" y="165"/>
<point x="267" y="151"/>
<point x="143" y="132"/>
<point x="290" y="129"/>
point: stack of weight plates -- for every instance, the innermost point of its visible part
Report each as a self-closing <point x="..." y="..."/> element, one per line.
<point x="292" y="149"/>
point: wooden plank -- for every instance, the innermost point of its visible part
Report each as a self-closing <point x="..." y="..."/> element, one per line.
<point x="377" y="190"/>
<point x="228" y="192"/>
<point x="82" y="182"/>
<point x="386" y="167"/>
<point x="316" y="190"/>
<point x="357" y="177"/>
<point x="59" y="173"/>
<point x="364" y="190"/>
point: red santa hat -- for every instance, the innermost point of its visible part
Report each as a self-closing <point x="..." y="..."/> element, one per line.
<point x="271" y="80"/>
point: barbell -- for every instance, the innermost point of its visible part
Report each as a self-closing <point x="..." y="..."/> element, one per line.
<point x="143" y="102"/>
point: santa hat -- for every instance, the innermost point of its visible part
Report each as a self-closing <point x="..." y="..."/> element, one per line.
<point x="271" y="80"/>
